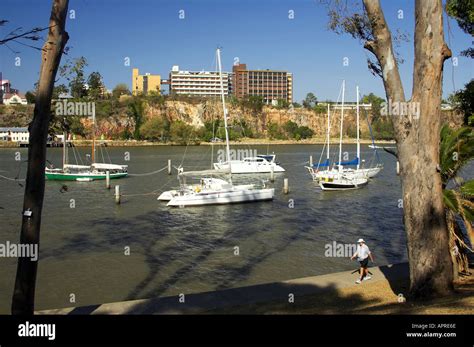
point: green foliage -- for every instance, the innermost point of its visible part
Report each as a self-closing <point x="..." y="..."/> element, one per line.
<point x="233" y="100"/>
<point x="76" y="127"/>
<point x="463" y="101"/>
<point x="182" y="133"/>
<point x="463" y="12"/>
<point x="282" y="104"/>
<point x="456" y="149"/>
<point x="320" y="108"/>
<point x="290" y="128"/>
<point x="382" y="129"/>
<point x="296" y="105"/>
<point x="106" y="108"/>
<point x="30" y="97"/>
<point x="467" y="189"/>
<point x="216" y="129"/>
<point x="119" y="90"/>
<point x="136" y="110"/>
<point x="254" y="103"/>
<point x="207" y="132"/>
<point x="275" y="132"/>
<point x="310" y="101"/>
<point x="73" y="71"/>
<point x="296" y="132"/>
<point x="126" y="134"/>
<point x="304" y="132"/>
<point x="376" y="102"/>
<point x="156" y="128"/>
<point x="155" y="99"/>
<point x="58" y="90"/>
<point x="96" y="86"/>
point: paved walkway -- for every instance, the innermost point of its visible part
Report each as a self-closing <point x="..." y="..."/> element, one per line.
<point x="203" y="302"/>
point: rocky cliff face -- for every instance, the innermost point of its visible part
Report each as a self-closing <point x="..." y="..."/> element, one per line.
<point x="197" y="113"/>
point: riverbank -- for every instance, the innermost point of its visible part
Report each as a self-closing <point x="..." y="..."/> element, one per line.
<point x="242" y="142"/>
<point x="326" y="294"/>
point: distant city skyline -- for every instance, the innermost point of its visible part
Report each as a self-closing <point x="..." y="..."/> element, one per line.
<point x="268" y="34"/>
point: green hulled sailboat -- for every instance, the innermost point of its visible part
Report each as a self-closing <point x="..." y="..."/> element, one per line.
<point x="84" y="173"/>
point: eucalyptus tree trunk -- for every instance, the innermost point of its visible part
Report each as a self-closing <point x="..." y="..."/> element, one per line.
<point x="25" y="283"/>
<point x="431" y="268"/>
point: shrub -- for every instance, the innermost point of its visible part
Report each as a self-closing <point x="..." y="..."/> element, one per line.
<point x="156" y="128"/>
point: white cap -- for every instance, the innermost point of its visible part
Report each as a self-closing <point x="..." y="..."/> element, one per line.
<point x="360" y="240"/>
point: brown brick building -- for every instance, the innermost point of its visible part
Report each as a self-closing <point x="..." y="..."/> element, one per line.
<point x="271" y="85"/>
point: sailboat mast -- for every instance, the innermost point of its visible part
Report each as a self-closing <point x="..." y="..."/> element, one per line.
<point x="223" y="105"/>
<point x="358" y="130"/>
<point x="93" y="133"/>
<point x="342" y="118"/>
<point x="328" y="132"/>
<point x="64" y="148"/>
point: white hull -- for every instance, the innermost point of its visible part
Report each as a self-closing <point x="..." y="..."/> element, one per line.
<point x="168" y="195"/>
<point x="342" y="183"/>
<point x="246" y="167"/>
<point x="215" y="191"/>
<point x="357" y="173"/>
<point x="230" y="196"/>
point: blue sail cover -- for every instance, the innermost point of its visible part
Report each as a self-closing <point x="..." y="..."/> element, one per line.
<point x="323" y="164"/>
<point x="355" y="161"/>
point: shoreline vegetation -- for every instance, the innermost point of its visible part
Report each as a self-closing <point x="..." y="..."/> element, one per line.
<point x="153" y="120"/>
<point x="242" y="142"/>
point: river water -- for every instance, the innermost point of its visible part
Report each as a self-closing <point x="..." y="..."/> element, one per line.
<point x="85" y="236"/>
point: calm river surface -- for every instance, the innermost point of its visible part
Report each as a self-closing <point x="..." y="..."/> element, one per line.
<point x="191" y="250"/>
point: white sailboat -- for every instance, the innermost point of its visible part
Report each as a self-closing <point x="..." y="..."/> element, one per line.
<point x="85" y="173"/>
<point x="324" y="170"/>
<point x="211" y="190"/>
<point x="321" y="169"/>
<point x="364" y="172"/>
<point x="339" y="178"/>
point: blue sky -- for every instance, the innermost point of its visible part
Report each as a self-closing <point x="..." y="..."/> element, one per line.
<point x="259" y="33"/>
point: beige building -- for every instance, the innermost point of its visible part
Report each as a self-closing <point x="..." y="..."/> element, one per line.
<point x="143" y="84"/>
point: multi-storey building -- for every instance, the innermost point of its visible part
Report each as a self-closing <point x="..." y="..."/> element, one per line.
<point x="143" y="84"/>
<point x="269" y="84"/>
<point x="198" y="83"/>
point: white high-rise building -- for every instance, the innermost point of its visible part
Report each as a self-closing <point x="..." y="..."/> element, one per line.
<point x="198" y="83"/>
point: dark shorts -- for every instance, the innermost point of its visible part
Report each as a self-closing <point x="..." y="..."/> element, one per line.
<point x="364" y="263"/>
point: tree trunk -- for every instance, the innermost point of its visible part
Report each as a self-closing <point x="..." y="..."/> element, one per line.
<point x="431" y="268"/>
<point x="24" y="292"/>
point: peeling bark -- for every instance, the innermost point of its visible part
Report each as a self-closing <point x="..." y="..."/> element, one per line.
<point x="431" y="267"/>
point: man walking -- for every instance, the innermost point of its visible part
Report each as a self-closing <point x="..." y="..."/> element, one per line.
<point x="363" y="254"/>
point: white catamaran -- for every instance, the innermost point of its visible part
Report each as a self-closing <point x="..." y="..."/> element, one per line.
<point x="211" y="190"/>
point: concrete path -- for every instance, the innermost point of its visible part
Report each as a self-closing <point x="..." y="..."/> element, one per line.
<point x="203" y="302"/>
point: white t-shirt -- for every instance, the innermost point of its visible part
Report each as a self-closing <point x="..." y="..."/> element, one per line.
<point x="362" y="252"/>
